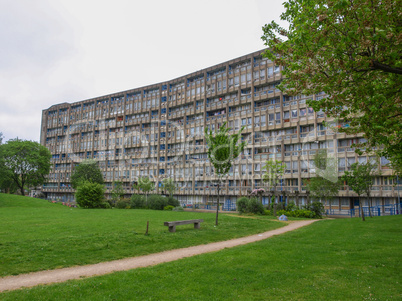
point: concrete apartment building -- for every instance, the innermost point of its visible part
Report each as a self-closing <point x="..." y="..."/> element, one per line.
<point x="158" y="131"/>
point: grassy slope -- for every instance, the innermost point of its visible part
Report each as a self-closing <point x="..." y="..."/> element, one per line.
<point x="329" y="260"/>
<point x="38" y="235"/>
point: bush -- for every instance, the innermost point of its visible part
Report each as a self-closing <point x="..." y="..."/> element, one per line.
<point x="297" y="213"/>
<point x="254" y="206"/>
<point x="123" y="204"/>
<point x="178" y="209"/>
<point x="137" y="201"/>
<point x="168" y="208"/>
<point x="317" y="208"/>
<point x="171" y="201"/>
<point x="156" y="202"/>
<point x="241" y="204"/>
<point x="91" y="195"/>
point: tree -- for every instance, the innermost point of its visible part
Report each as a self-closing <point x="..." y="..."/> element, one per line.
<point x="170" y="186"/>
<point x="325" y="185"/>
<point x="25" y="163"/>
<point x="90" y="195"/>
<point x="274" y="171"/>
<point x="86" y="171"/>
<point x="117" y="192"/>
<point x="223" y="148"/>
<point x="360" y="180"/>
<point x="1" y="138"/>
<point x="146" y="185"/>
<point x="350" y="50"/>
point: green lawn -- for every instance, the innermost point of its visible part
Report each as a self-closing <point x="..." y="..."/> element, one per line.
<point x="38" y="235"/>
<point x="343" y="259"/>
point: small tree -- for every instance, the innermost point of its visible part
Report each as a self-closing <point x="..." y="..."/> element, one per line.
<point x="25" y="163"/>
<point x="117" y="192"/>
<point x="146" y="185"/>
<point x="90" y="195"/>
<point x="274" y="171"/>
<point x="360" y="180"/>
<point x="169" y="185"/>
<point x="86" y="171"/>
<point x="223" y="148"/>
<point x="325" y="185"/>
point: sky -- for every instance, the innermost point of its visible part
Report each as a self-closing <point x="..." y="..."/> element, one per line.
<point x="55" y="51"/>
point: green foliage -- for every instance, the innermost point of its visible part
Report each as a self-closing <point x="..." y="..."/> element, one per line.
<point x="297" y="213"/>
<point x="350" y="50"/>
<point x="156" y="202"/>
<point x="23" y="164"/>
<point x="123" y="204"/>
<point x="274" y="171"/>
<point x="178" y="209"/>
<point x="137" y="201"/>
<point x="317" y="208"/>
<point x="172" y="201"/>
<point x="169" y="186"/>
<point x="254" y="206"/>
<point x="117" y="191"/>
<point x="241" y="204"/>
<point x="360" y="179"/>
<point x="90" y="195"/>
<point x="249" y="205"/>
<point x="86" y="171"/>
<point x="223" y="148"/>
<point x="146" y="185"/>
<point x="326" y="184"/>
<point x="168" y="208"/>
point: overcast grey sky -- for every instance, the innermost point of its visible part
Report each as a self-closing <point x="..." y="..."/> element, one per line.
<point x="55" y="51"/>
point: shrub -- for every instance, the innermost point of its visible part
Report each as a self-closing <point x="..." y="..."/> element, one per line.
<point x="317" y="208"/>
<point x="178" y="209"/>
<point x="156" y="202"/>
<point x="242" y="204"/>
<point x="90" y="195"/>
<point x="123" y="204"/>
<point x="168" y="207"/>
<point x="254" y="206"/>
<point x="137" y="201"/>
<point x="171" y="201"/>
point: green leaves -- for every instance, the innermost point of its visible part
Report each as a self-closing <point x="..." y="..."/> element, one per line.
<point x="24" y="163"/>
<point x="86" y="171"/>
<point x="274" y="171"/>
<point x="223" y="148"/>
<point x="351" y="51"/>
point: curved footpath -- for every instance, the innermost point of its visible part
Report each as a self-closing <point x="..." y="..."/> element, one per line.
<point x="76" y="272"/>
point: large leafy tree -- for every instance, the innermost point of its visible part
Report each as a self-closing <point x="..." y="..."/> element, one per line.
<point x="360" y="180"/>
<point x="86" y="171"/>
<point x="223" y="149"/>
<point x="24" y="163"/>
<point x="349" y="49"/>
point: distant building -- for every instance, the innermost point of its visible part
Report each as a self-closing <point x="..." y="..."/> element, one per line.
<point x="158" y="131"/>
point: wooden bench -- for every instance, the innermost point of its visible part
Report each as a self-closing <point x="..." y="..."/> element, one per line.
<point x="172" y="225"/>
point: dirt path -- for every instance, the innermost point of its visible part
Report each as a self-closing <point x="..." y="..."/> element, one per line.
<point x="76" y="272"/>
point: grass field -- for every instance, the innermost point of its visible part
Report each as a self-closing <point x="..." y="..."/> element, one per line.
<point x="329" y="260"/>
<point x="38" y="235"/>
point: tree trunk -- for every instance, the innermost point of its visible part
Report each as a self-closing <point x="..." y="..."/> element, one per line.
<point x="217" y="207"/>
<point x="369" y="204"/>
<point x="361" y="209"/>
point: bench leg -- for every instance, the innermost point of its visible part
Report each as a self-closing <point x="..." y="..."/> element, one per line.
<point x="196" y="225"/>
<point x="172" y="228"/>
